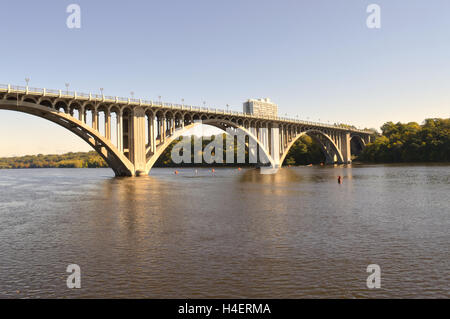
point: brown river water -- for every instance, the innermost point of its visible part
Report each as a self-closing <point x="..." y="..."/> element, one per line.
<point x="228" y="234"/>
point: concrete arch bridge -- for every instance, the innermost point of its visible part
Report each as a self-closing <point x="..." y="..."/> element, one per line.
<point x="142" y="130"/>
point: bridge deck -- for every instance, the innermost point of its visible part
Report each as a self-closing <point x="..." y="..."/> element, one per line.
<point x="73" y="95"/>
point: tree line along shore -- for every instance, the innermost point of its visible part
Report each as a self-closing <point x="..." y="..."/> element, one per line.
<point x="397" y="143"/>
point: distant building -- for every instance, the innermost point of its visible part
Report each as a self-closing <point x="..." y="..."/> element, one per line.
<point x="261" y="107"/>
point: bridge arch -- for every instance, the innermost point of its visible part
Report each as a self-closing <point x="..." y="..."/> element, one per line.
<point x="116" y="161"/>
<point x="357" y="144"/>
<point x="358" y="139"/>
<point x="46" y="103"/>
<point x="29" y="99"/>
<point x="219" y="123"/>
<point x="313" y="133"/>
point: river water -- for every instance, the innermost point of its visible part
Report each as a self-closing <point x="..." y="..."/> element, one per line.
<point x="228" y="234"/>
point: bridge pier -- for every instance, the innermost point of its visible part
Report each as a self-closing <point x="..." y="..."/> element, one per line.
<point x="138" y="139"/>
<point x="275" y="145"/>
<point x="345" y="148"/>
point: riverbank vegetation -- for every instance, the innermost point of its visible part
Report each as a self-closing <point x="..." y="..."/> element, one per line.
<point x="410" y="142"/>
<point x="305" y="151"/>
<point x="70" y="160"/>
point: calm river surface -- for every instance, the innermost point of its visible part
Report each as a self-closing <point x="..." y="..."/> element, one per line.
<point x="230" y="234"/>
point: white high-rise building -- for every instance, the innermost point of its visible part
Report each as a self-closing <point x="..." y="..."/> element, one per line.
<point x="261" y="107"/>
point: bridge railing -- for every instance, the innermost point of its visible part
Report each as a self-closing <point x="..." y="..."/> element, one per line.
<point x="73" y="94"/>
<point x="52" y="91"/>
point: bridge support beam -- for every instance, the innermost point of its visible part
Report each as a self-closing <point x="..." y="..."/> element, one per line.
<point x="138" y="139"/>
<point x="275" y="144"/>
<point x="345" y="148"/>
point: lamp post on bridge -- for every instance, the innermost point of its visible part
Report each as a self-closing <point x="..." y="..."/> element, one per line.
<point x="228" y="108"/>
<point x="27" y="80"/>
<point x="67" y="87"/>
<point x="101" y="91"/>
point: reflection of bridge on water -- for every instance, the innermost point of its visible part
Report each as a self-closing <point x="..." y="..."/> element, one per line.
<point x="144" y="129"/>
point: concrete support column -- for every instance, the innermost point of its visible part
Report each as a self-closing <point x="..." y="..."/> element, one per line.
<point x="280" y="133"/>
<point x="153" y="135"/>
<point x="95" y="119"/>
<point x="345" y="148"/>
<point x="82" y="115"/>
<point x="119" y="132"/>
<point x="254" y="131"/>
<point x="269" y="140"/>
<point x="266" y="137"/>
<point x="138" y="138"/>
<point x="108" y="125"/>
<point x="163" y="129"/>
<point x="261" y="135"/>
<point x="149" y="130"/>
<point x="275" y="144"/>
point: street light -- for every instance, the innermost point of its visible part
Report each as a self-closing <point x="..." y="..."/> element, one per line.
<point x="27" y="80"/>
<point x="132" y="94"/>
<point x="228" y="106"/>
<point x="67" y="87"/>
<point x="101" y="90"/>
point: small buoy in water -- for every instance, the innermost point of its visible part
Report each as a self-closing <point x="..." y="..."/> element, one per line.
<point x="213" y="170"/>
<point x="239" y="168"/>
<point x="339" y="180"/>
<point x="176" y="172"/>
<point x="321" y="164"/>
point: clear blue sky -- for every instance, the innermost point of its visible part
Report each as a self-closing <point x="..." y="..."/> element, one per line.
<point x="315" y="58"/>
